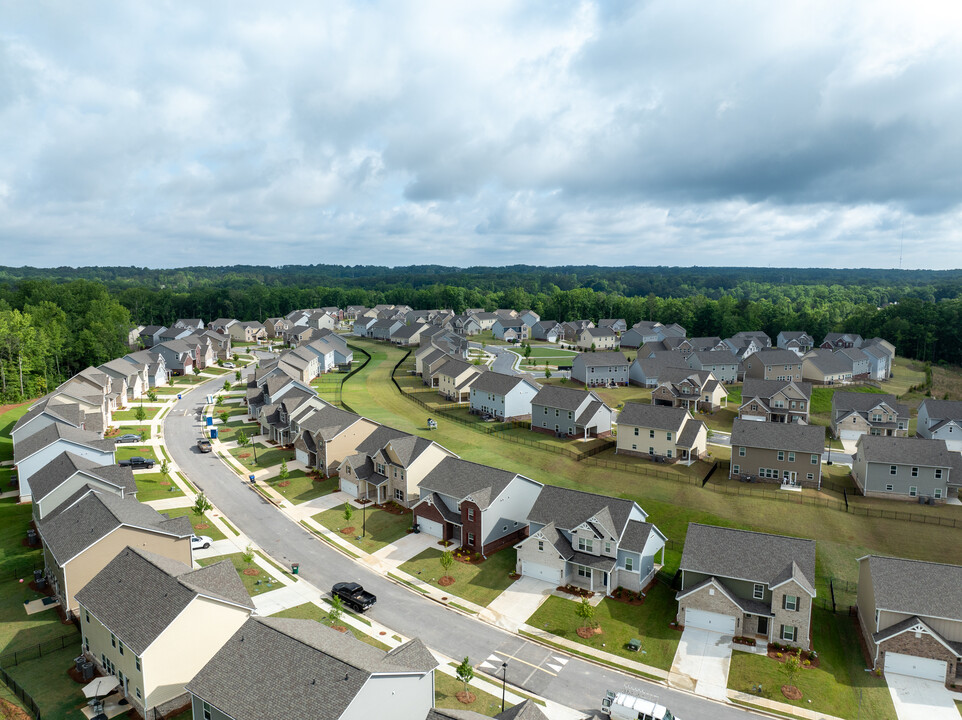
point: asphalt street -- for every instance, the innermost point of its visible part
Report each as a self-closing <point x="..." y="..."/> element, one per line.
<point x="573" y="682"/>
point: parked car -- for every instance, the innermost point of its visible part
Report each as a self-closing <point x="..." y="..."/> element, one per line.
<point x="136" y="463"/>
<point x="229" y="365"/>
<point x="204" y="445"/>
<point x="201" y="542"/>
<point x="129" y="437"/>
<point x="354" y="596"/>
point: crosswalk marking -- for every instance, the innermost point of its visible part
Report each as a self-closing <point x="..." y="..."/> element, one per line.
<point x="560" y="660"/>
<point x="536" y="667"/>
<point x="556" y="668"/>
<point x="486" y="664"/>
<point x="495" y="658"/>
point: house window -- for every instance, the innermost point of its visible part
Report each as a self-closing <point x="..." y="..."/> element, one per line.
<point x="754" y="406"/>
<point x="399" y="494"/>
<point x="668" y="438"/>
<point x="206" y="710"/>
<point x="789" y="633"/>
<point x="811" y="476"/>
<point x="814" y="459"/>
<point x="741" y="452"/>
<point x="113" y="640"/>
<point x="937" y="493"/>
<point x="915" y="472"/>
<point x="546" y="411"/>
<point x="790" y="602"/>
<point x="470" y="513"/>
<point x="736" y="469"/>
<point x="541" y="546"/>
<point x="636" y="431"/>
<point x="634" y="447"/>
<point x="87" y="614"/>
<point x="557" y="413"/>
<point x="781" y="455"/>
<point x="669" y="453"/>
<point x="121" y="648"/>
<point x="471" y="539"/>
<point x="913" y="491"/>
<point x="938" y="473"/>
<point x="629" y="563"/>
<point x="137" y="662"/>
<point x="585" y="544"/>
<point x="569" y="416"/>
<point x="584" y="572"/>
<point x="651" y="451"/>
<point x="791" y="457"/>
<point x="380" y="469"/>
<point x="758" y="592"/>
<point x="607" y="547"/>
<point x="137" y="691"/>
<point x="651" y="433"/>
<point x="893" y="470"/>
<point x="890" y="487"/>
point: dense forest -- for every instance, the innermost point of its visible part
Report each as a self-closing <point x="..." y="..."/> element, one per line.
<point x="56" y="321"/>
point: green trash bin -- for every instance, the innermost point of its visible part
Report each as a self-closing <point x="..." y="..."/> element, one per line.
<point x="294" y="568"/>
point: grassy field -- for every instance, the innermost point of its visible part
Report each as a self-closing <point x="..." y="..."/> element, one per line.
<point x="382" y="527"/>
<point x="310" y="611"/>
<point x="210" y="530"/>
<point x="254" y="584"/>
<point x="302" y="486"/>
<point x="150" y="486"/>
<point x="46" y="681"/>
<point x="446" y="688"/>
<point x="266" y="456"/>
<point x="478" y="583"/>
<point x="7" y="421"/>
<point x="822" y="396"/>
<point x="127" y="451"/>
<point x="228" y="433"/>
<point x="149" y="413"/>
<point x="839" y="686"/>
<point x="620" y="623"/>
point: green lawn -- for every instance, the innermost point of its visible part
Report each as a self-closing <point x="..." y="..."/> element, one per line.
<point x="232" y="410"/>
<point x="620" y="623"/>
<point x="840" y="686"/>
<point x="127" y="451"/>
<point x="446" y="689"/>
<point x="210" y="531"/>
<point x="310" y="611"/>
<point x="255" y="584"/>
<point x="149" y="413"/>
<point x="302" y="486"/>
<point x="228" y="433"/>
<point x="478" y="583"/>
<point x="382" y="527"/>
<point x="7" y="421"/>
<point x="125" y="429"/>
<point x="46" y="680"/>
<point x="822" y="396"/>
<point x="150" y="486"/>
<point x="266" y="456"/>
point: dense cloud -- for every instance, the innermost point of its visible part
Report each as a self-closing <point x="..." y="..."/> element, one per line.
<point x="481" y="133"/>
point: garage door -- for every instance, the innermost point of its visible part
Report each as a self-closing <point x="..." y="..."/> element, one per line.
<point x="541" y="572"/>
<point x="301" y="456"/>
<point x="349" y="487"/>
<point x="915" y="666"/>
<point x="851" y="434"/>
<point x="431" y="527"/>
<point x="704" y="620"/>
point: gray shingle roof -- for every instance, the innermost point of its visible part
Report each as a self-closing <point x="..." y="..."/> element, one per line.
<point x="59" y="431"/>
<point x="299" y="669"/>
<point x="459" y="479"/>
<point x="943" y="409"/>
<point x="907" y="451"/>
<point x="568" y="509"/>
<point x="636" y="536"/>
<point x="830" y="363"/>
<point x="139" y="593"/>
<point x="408" y="448"/>
<point x="652" y="416"/>
<point x="917" y="588"/>
<point x="689" y="434"/>
<point x="66" y="464"/>
<point x="378" y="439"/>
<point x="563" y="398"/>
<point x="778" y="436"/>
<point x="775" y="356"/>
<point x="863" y="402"/>
<point x="499" y="383"/>
<point x="756" y="387"/>
<point x="603" y="359"/>
<point x="753" y="556"/>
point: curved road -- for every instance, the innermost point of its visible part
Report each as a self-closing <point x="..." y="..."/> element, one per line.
<point x="578" y="684"/>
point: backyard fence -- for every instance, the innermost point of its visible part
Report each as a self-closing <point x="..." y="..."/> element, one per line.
<point x="24" y="571"/>
<point x="367" y="359"/>
<point x="22" y="695"/>
<point x="12" y="659"/>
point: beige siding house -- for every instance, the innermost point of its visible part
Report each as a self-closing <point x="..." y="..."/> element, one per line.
<point x="789" y="454"/>
<point x="774" y="364"/>
<point x="661" y="433"/>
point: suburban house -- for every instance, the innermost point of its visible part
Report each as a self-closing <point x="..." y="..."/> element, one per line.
<point x="906" y="468"/>
<point x="268" y="390"/>
<point x="324" y="437"/>
<point x="773" y="364"/>
<point x="410" y="334"/>
<point x="393" y="471"/>
<point x="591" y="541"/>
<point x="642" y="332"/>
<point x="67" y="474"/>
<point x="693" y="390"/>
<point x="139" y="613"/>
<point x="598" y="338"/>
<point x="941" y="420"/>
<point x="572" y="329"/>
<point x="485" y="319"/>
<point x="322" y="320"/>
<point x="384" y="329"/>
<point x="303" y="670"/>
<point x="600" y="369"/>
<point x="529" y="317"/>
<point x="362" y="324"/>
<point x="855" y="414"/>
<point x="742" y="347"/>
<point x="173" y="333"/>
<point x="720" y="363"/>
<point x="84" y="534"/>
<point x="879" y="359"/>
<point x="618" y="325"/>
<point x="54" y="409"/>
<point x="547" y="330"/>
<point x="34" y="451"/>
<point x="570" y="412"/>
<point x="250" y="331"/>
<point x="191" y="324"/>
<point x="747" y="584"/>
<point x="916" y="633"/>
<point x="178" y="356"/>
<point x="796" y="341"/>
<point x="648" y="371"/>
<point x="861" y="367"/>
<point x="456" y="377"/>
<point x="221" y="325"/>
<point x="781" y="401"/>
<point x="824" y="367"/>
<point x="480" y="508"/>
<point x="837" y="341"/>
<point x="760" y="338"/>
<point x="153" y="363"/>
<point x="125" y="374"/>
<point x="661" y="433"/>
<point x="150" y="335"/>
<point x="506" y="397"/>
<point x="510" y="329"/>
<point x="299" y="335"/>
<point x="785" y="453"/>
<point x="275" y="327"/>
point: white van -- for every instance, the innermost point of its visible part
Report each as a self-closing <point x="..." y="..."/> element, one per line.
<point x="628" y="707"/>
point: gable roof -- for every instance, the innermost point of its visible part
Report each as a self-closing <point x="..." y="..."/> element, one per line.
<point x="66" y="465"/>
<point x="568" y="509"/>
<point x="914" y="587"/>
<point x="828" y="362"/>
<point x="745" y="555"/>
<point x="757" y="387"/>
<point x="602" y="359"/>
<point x="500" y="383"/>
<point x="59" y="431"/>
<point x="646" y="415"/>
<point x="775" y="356"/>
<point x="460" y="479"/>
<point x="909" y="451"/>
<point x="942" y="409"/>
<point x="300" y="669"/>
<point x="139" y="594"/>
<point x="778" y="436"/>
<point x="863" y="402"/>
<point x="562" y="398"/>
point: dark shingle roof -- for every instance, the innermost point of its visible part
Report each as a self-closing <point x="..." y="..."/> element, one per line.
<point x="828" y="362"/>
<point x="907" y="451"/>
<point x="499" y="383"/>
<point x="863" y="402"/>
<point x="778" y="436"/>
<point x="568" y="509"/>
<point x="756" y="387"/>
<point x="603" y="359"/>
<point x="378" y="439"/>
<point x="943" y="409"/>
<point x="139" y="594"/>
<point x="59" y="431"/>
<point x="775" y="356"/>
<point x="917" y="588"/>
<point x="300" y="669"/>
<point x="652" y="416"/>
<point x="563" y="398"/>
<point x="66" y="464"/>
<point x="636" y="536"/>
<point x="753" y="556"/>
<point x="459" y="479"/>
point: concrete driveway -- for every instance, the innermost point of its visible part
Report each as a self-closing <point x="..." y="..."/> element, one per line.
<point x="701" y="663"/>
<point x="517" y="603"/>
<point x="917" y="699"/>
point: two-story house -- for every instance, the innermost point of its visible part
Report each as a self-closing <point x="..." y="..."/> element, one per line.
<point x="648" y="371"/>
<point x="825" y="367"/>
<point x="599" y="338"/>
<point x="61" y="479"/>
<point x="510" y="329"/>
<point x="249" y="331"/>
<point x="661" y="433"/>
<point x="720" y="363"/>
<point x="570" y="412"/>
<point x="618" y="325"/>
<point x="879" y="360"/>
<point x="591" y="541"/>
<point x="910" y="613"/>
<point x="786" y="453"/>
<point x="547" y="330"/>
<point x="154" y="364"/>
<point x="798" y="342"/>
<point x="506" y="397"/>
<point x="178" y="356"/>
<point x="456" y="378"/>
<point x="693" y="390"/>
<point x="941" y="420"/>
<point x="837" y="341"/>
<point x="904" y="468"/>
<point x="33" y="452"/>
<point x="303" y="670"/>
<point x="773" y="364"/>
<point x="855" y="414"/>
<point x="139" y="613"/>
<point x="781" y="401"/>
<point x="393" y="471"/>
<point x="747" y="584"/>
<point x="480" y="508"/>
<point x="600" y="369"/>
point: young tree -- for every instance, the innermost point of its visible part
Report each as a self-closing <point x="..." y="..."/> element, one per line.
<point x="348" y="512"/>
<point x="226" y="385"/>
<point x="283" y="473"/>
<point x="143" y="435"/>
<point x="446" y="560"/>
<point x="465" y="672"/>
<point x="152" y="395"/>
<point x="224" y="416"/>
<point x="585" y="611"/>
<point x="547" y="373"/>
<point x="337" y="609"/>
<point x="248" y="555"/>
<point x="140" y="413"/>
<point x="164" y="467"/>
<point x="242" y="438"/>
<point x="527" y="351"/>
<point x="201" y="505"/>
<point x="196" y="370"/>
<point x="793" y="663"/>
<point x="237" y="375"/>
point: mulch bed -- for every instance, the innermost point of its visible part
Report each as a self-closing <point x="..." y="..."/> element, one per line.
<point x="9" y="711"/>
<point x="791" y="692"/>
<point x="244" y="456"/>
<point x="252" y="572"/>
<point x="514" y="576"/>
<point x="465" y="698"/>
<point x="201" y="526"/>
<point x="347" y="530"/>
<point x="394" y="509"/>
<point x="813" y="662"/>
<point x="284" y="483"/>
<point x="164" y="482"/>
<point x="586" y="633"/>
<point x="4" y="408"/>
<point x="576" y="591"/>
<point x="446" y="581"/>
<point x="339" y="628"/>
<point x="628" y="597"/>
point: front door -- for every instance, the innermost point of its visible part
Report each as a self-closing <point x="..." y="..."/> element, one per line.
<point x="763" y="626"/>
<point x="789" y="478"/>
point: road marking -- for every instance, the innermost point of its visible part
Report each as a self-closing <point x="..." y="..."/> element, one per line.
<point x="486" y="664"/>
<point x="536" y="667"/>
<point x="560" y="660"/>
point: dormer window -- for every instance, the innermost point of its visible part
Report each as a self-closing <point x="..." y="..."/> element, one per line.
<point x="585" y="544"/>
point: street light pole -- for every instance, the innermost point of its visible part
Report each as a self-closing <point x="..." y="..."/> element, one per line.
<point x="504" y="680"/>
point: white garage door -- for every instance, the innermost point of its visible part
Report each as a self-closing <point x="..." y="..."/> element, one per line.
<point x="755" y="418"/>
<point x="851" y="434"/>
<point x="542" y="572"/>
<point x="704" y="620"/>
<point x="431" y="527"/>
<point x="349" y="487"/>
<point x="301" y="456"/>
<point x="915" y="666"/>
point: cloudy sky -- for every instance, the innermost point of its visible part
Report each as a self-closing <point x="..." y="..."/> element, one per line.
<point x="664" y="132"/>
